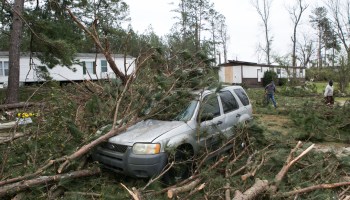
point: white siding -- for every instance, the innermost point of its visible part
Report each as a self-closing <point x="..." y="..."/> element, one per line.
<point x="257" y="72"/>
<point x="222" y="74"/>
<point x="73" y="73"/>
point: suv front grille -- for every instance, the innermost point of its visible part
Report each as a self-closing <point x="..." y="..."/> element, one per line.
<point x="115" y="147"/>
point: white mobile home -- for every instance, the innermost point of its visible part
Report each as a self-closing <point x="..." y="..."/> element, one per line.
<point x="251" y="74"/>
<point x="31" y="68"/>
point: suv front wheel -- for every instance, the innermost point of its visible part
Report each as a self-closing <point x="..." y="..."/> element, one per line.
<point x="183" y="166"/>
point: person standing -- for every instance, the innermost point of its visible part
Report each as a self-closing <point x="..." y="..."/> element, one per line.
<point x="328" y="93"/>
<point x="270" y="90"/>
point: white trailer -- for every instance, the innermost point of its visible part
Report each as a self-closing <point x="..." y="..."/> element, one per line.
<point x="248" y="73"/>
<point x="32" y="70"/>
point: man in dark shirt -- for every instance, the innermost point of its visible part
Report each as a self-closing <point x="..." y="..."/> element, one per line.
<point x="270" y="90"/>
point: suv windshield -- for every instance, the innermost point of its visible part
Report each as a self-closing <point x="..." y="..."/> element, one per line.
<point x="187" y="113"/>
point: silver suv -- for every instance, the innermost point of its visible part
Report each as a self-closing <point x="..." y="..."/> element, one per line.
<point x="143" y="149"/>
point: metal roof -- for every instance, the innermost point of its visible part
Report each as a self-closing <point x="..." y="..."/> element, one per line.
<point x="252" y="64"/>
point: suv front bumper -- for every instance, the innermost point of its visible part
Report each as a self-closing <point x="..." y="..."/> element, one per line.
<point x="140" y="166"/>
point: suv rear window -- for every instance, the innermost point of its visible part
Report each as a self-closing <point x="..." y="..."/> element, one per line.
<point x="242" y="96"/>
<point x="228" y="101"/>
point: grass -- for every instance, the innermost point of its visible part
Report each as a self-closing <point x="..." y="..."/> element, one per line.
<point x="320" y="87"/>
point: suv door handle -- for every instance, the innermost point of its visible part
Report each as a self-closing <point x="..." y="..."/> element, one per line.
<point x="219" y="122"/>
<point x="238" y="115"/>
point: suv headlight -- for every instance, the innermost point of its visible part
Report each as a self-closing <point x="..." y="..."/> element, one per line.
<point x="146" y="148"/>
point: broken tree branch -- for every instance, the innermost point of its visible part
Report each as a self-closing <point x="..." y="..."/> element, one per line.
<point x="313" y="188"/>
<point x="83" y="150"/>
<point x="174" y="191"/>
<point x="134" y="193"/>
<point x="28" y="176"/>
<point x="159" y="176"/>
<point x="19" y="105"/>
<point x="259" y="187"/>
<point x="91" y="194"/>
<point x="197" y="189"/>
<point x="253" y="172"/>
<point x="290" y="162"/>
<point x="23" y="185"/>
<point x="263" y="185"/>
<point x="7" y="139"/>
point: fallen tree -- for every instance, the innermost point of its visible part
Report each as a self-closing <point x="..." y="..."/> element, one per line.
<point x="23" y="185"/>
<point x="19" y="105"/>
<point x="261" y="186"/>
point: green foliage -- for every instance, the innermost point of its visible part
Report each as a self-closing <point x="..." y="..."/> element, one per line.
<point x="307" y="89"/>
<point x="320" y="122"/>
<point x="282" y="81"/>
<point x="269" y="76"/>
<point x="323" y="74"/>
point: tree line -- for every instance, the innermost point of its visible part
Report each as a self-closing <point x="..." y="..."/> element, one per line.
<point x="60" y="29"/>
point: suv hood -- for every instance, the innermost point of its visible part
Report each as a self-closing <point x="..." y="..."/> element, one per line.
<point x="145" y="131"/>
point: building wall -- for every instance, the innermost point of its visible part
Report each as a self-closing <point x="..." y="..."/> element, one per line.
<point x="237" y="74"/>
<point x="228" y="75"/>
<point x="252" y="75"/>
<point x="221" y="72"/>
<point x="73" y="73"/>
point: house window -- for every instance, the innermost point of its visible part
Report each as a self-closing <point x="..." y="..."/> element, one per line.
<point x="88" y="68"/>
<point x="4" y="68"/>
<point x="103" y="66"/>
<point x="278" y="71"/>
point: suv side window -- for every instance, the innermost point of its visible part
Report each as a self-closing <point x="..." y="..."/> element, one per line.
<point x="228" y="101"/>
<point x="210" y="106"/>
<point x="242" y="96"/>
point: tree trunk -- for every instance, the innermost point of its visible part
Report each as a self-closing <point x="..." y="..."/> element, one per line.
<point x="319" y="55"/>
<point x="14" y="53"/>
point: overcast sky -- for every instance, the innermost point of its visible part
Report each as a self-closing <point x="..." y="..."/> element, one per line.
<point x="244" y="24"/>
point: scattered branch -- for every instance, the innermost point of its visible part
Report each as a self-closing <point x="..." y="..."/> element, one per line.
<point x="174" y="191"/>
<point x="19" y="105"/>
<point x="134" y="193"/>
<point x="90" y="194"/>
<point x="7" y="139"/>
<point x="313" y="188"/>
<point x="159" y="176"/>
<point x="28" y="176"/>
<point x="83" y="150"/>
<point x="23" y="185"/>
<point x="290" y="162"/>
<point x="259" y="187"/>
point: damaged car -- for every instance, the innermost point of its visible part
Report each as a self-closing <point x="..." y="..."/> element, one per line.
<point x="144" y="149"/>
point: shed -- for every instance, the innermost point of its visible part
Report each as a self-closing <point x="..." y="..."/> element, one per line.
<point x="251" y="74"/>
